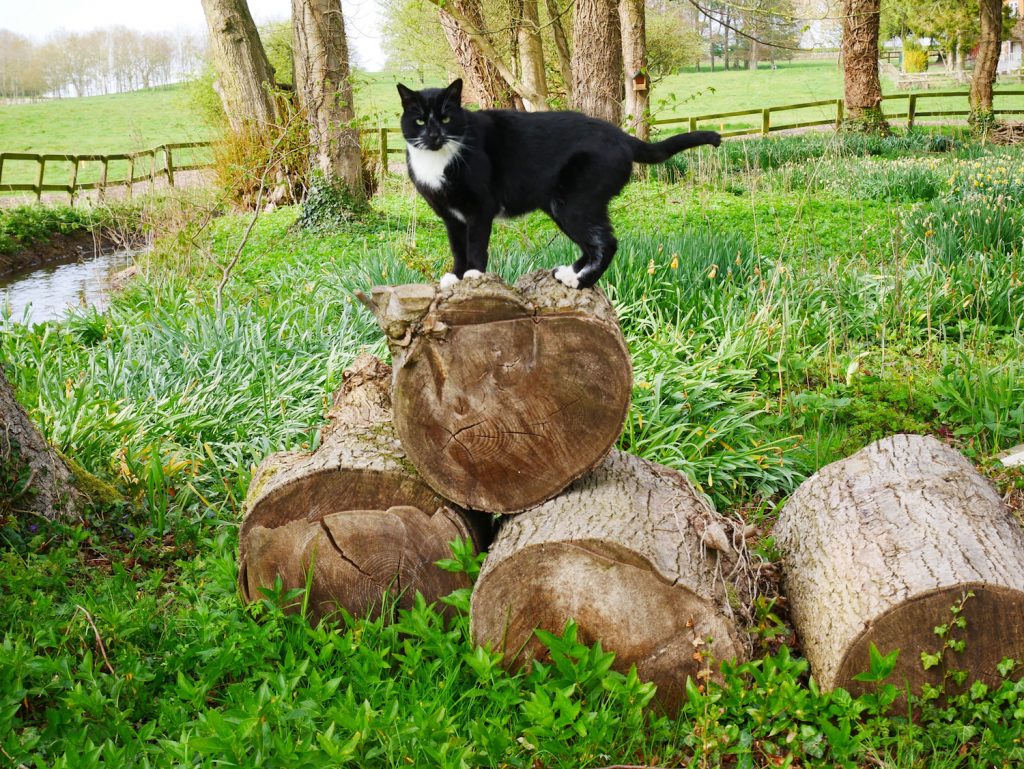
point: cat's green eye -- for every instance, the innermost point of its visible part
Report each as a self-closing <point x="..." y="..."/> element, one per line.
<point x="446" y="120"/>
<point x="420" y="121"/>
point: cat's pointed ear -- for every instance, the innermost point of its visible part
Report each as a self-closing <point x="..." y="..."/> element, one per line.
<point x="407" y="94"/>
<point x="455" y="91"/>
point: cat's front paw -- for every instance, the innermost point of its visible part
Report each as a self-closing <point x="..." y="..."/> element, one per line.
<point x="567" y="276"/>
<point x="472" y="274"/>
<point x="449" y="279"/>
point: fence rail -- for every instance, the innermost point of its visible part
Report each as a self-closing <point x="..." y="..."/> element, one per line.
<point x="385" y="148"/>
<point x="836" y="118"/>
<point x="73" y="166"/>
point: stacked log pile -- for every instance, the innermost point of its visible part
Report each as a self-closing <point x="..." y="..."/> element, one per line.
<point x="507" y="400"/>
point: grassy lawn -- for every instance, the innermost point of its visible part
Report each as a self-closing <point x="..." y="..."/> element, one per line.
<point x="785" y="302"/>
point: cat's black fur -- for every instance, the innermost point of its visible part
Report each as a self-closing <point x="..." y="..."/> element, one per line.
<point x="502" y="163"/>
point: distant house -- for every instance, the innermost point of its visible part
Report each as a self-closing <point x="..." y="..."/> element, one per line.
<point x="1010" y="53"/>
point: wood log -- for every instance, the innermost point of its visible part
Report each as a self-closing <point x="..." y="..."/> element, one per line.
<point x="878" y="548"/>
<point x="635" y="556"/>
<point x="504" y="396"/>
<point x="353" y="512"/>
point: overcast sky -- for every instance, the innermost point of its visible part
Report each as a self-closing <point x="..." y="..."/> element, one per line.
<point x="39" y="18"/>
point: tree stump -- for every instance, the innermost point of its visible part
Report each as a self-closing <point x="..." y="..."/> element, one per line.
<point x="353" y="512"/>
<point x="635" y="556"/>
<point x="878" y="547"/>
<point x="504" y="396"/>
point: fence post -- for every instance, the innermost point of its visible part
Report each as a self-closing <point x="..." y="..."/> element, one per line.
<point x="2" y="156"/>
<point x="169" y="163"/>
<point x="383" y="155"/>
<point x="152" y="169"/>
<point x="103" y="179"/>
<point x="131" y="174"/>
<point x="693" y="124"/>
<point x="74" y="180"/>
<point x="911" y="110"/>
<point x="766" y="121"/>
<point x="839" y="114"/>
<point x="39" y="182"/>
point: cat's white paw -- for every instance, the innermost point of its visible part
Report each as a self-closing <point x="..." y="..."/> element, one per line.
<point x="472" y="274"/>
<point x="448" y="280"/>
<point x="567" y="276"/>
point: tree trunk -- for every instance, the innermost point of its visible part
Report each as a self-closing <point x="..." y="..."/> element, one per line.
<point x="597" y="60"/>
<point x="752" y="61"/>
<point x="632" y="22"/>
<point x="34" y="480"/>
<point x="244" y="75"/>
<point x="987" y="61"/>
<point x="635" y="557"/>
<point x="562" y="46"/>
<point x="504" y="396"/>
<point x="531" y="57"/>
<point x="878" y="547"/>
<point x="484" y="83"/>
<point x="324" y="90"/>
<point x="862" y="90"/>
<point x="725" y="39"/>
<point x="352" y="517"/>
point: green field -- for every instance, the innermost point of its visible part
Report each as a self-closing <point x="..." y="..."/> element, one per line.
<point x="785" y="301"/>
<point x="96" y="125"/>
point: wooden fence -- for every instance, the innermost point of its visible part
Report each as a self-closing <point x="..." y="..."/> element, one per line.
<point x="384" y="148"/>
<point x="134" y="162"/>
<point x="836" y="109"/>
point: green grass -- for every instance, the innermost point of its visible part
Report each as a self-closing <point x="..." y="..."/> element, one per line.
<point x="102" y="124"/>
<point x="785" y="301"/>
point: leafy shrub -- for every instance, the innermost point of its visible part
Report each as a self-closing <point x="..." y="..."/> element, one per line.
<point x="21" y="226"/>
<point x="328" y="205"/>
<point x="263" y="164"/>
<point x="915" y="58"/>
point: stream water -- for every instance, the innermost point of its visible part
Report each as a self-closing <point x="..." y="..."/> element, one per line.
<point x="47" y="292"/>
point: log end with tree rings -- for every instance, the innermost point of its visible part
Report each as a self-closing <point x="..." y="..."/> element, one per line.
<point x="906" y="546"/>
<point x="636" y="558"/>
<point x="504" y="395"/>
<point x="352" y="519"/>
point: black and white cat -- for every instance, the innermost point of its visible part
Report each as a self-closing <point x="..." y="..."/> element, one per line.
<point x="475" y="167"/>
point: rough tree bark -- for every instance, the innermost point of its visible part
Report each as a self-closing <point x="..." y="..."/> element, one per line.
<point x="502" y="396"/>
<point x="862" y="91"/>
<point x="324" y="90"/>
<point x="531" y="57"/>
<point x="561" y="46"/>
<point x="985" y="64"/>
<point x="244" y="75"/>
<point x="878" y="547"/>
<point x="631" y="553"/>
<point x="353" y="512"/>
<point x="597" y="60"/>
<point x="632" y="22"/>
<point x="41" y="483"/>
<point x="462" y="22"/>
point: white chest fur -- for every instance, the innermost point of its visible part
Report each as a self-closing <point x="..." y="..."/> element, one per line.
<point x="428" y="166"/>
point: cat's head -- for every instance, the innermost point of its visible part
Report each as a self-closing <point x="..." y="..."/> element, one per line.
<point x="432" y="117"/>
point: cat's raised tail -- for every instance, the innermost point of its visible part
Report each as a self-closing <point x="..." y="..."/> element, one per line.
<point x="659" y="152"/>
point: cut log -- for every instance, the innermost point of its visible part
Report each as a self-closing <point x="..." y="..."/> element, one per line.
<point x="504" y="396"/>
<point x="636" y="557"/>
<point x="354" y="513"/>
<point x="878" y="548"/>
